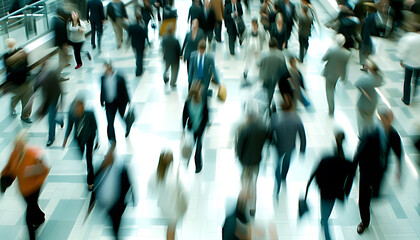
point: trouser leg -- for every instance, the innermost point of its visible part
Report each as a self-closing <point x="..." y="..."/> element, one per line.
<point x="52" y="112"/>
<point x="277" y="172"/>
<point x="34" y="215"/>
<point x="93" y="32"/>
<point x="111" y="111"/>
<point x="232" y="39"/>
<point x="365" y="195"/>
<point x="329" y="90"/>
<point x="174" y="72"/>
<point x="117" y="26"/>
<point x="416" y="75"/>
<point x="77" y="48"/>
<point x="89" y="153"/>
<point x="407" y="84"/>
<point x="139" y="62"/>
<point x="116" y="213"/>
<point x="285" y="165"/>
<point x="198" y="155"/>
<point x="326" y="209"/>
<point x="27" y="102"/>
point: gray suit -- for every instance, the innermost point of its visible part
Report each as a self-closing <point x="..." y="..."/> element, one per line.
<point x="336" y="67"/>
<point x="209" y="69"/>
<point x="272" y="67"/>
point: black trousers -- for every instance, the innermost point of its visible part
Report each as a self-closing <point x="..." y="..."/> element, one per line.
<point x="198" y="137"/>
<point x="97" y="29"/>
<point x="111" y="110"/>
<point x="218" y="31"/>
<point x="139" y="61"/>
<point x="77" y="48"/>
<point x="89" y="151"/>
<point x="118" y="209"/>
<point x="34" y="215"/>
<point x="232" y="39"/>
<point x="303" y="46"/>
<point x="369" y="186"/>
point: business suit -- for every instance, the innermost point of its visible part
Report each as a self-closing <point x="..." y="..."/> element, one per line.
<point x="209" y="70"/>
<point x="251" y="139"/>
<point x="190" y="45"/>
<point x="288" y="12"/>
<point x="117" y="19"/>
<point x="230" y="24"/>
<point x="368" y="28"/>
<point x="85" y="134"/>
<point x="137" y="32"/>
<point x="219" y="8"/>
<point x="118" y="103"/>
<point x="207" y="22"/>
<point x="372" y="157"/>
<point x="171" y="54"/>
<point x="61" y="41"/>
<point x="195" y="12"/>
<point x="336" y="67"/>
<point x="272" y="68"/>
<point x="95" y="14"/>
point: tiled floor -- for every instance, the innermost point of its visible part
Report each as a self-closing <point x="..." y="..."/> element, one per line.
<point x="65" y="198"/>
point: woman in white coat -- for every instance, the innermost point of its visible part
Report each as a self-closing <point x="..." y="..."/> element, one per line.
<point x="76" y="35"/>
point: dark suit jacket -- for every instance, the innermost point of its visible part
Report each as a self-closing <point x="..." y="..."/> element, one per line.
<point x="51" y="88"/>
<point x="251" y="139"/>
<point x="195" y="12"/>
<point x="138" y="34"/>
<point x="207" y="24"/>
<point x="171" y="49"/>
<point x="288" y="18"/>
<point x="368" y="153"/>
<point x="60" y="31"/>
<point x="96" y="9"/>
<point x="110" y="11"/>
<point x="229" y="21"/>
<point x="208" y="67"/>
<point x="89" y="126"/>
<point x="204" y="119"/>
<point x="122" y="97"/>
<point x="16" y="73"/>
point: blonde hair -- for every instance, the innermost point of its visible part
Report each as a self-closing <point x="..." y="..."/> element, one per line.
<point x="165" y="159"/>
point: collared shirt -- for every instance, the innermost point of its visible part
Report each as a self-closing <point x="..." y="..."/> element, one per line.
<point x="199" y="56"/>
<point x="110" y="88"/>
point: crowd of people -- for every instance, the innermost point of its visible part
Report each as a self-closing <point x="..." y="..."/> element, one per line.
<point x="265" y="42"/>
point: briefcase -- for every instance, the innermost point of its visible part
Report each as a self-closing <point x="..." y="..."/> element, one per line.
<point x="129" y="117"/>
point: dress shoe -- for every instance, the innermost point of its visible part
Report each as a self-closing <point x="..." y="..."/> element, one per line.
<point x="26" y="120"/>
<point x="173" y="85"/>
<point x="78" y="66"/>
<point x="93" y="46"/>
<point x="361" y="228"/>
<point x="50" y="142"/>
<point x="165" y="80"/>
<point x="89" y="56"/>
<point x="402" y="99"/>
<point x="198" y="169"/>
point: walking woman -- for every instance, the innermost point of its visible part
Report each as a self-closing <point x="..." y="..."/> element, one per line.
<point x="196" y="115"/>
<point x="76" y="35"/>
<point x="191" y="42"/>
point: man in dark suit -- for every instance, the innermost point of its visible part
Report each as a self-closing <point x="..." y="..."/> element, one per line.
<point x="171" y="54"/>
<point x="195" y="11"/>
<point x="116" y="11"/>
<point x="232" y="10"/>
<point x="288" y="11"/>
<point x="95" y="15"/>
<point x="372" y="157"/>
<point x="114" y="97"/>
<point x="208" y="21"/>
<point x="137" y="32"/>
<point x="60" y="39"/>
<point x="85" y="134"/>
<point x="202" y="68"/>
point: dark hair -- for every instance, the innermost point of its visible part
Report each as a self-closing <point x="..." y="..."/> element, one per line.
<point x="272" y="43"/>
<point x="202" y="44"/>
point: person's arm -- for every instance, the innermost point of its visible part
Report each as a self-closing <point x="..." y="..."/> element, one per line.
<point x="240" y="144"/>
<point x="302" y="136"/>
<point x="83" y="26"/>
<point x="124" y="11"/>
<point x="185" y="115"/>
<point x="310" y="181"/>
<point x="326" y="56"/>
<point x="214" y="71"/>
<point x="239" y="9"/>
<point x="70" y="124"/>
<point x="124" y="89"/>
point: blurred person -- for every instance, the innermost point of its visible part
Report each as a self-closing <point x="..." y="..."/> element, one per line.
<point x="285" y="127"/>
<point x="167" y="184"/>
<point x="272" y="68"/>
<point x="49" y="80"/>
<point x="85" y="134"/>
<point x="171" y="55"/>
<point x="76" y="35"/>
<point x="147" y="15"/>
<point x="158" y="4"/>
<point x="17" y="70"/>
<point x="297" y="83"/>
<point x="336" y="59"/>
<point x="169" y="11"/>
<point x="372" y="155"/>
<point x="251" y="138"/>
<point x="26" y="164"/>
<point x="202" y="69"/>
<point x="117" y="13"/>
<point x="288" y="12"/>
<point x="113" y="185"/>
<point x="114" y="97"/>
<point x="191" y="41"/>
<point x="137" y="32"/>
<point x="278" y="31"/>
<point x="266" y="8"/>
<point x="347" y="27"/>
<point x="207" y="22"/>
<point x="408" y="53"/>
<point x="60" y="39"/>
<point x="368" y="29"/>
<point x="195" y="11"/>
<point x="334" y="177"/>
<point x="233" y="10"/>
<point x="196" y="115"/>
<point x="96" y="17"/>
<point x="396" y="14"/>
<point x="368" y="100"/>
<point x="305" y="27"/>
<point x="255" y="40"/>
<point x="219" y="8"/>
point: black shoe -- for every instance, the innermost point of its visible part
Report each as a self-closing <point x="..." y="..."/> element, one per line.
<point x="173" y="85"/>
<point x="62" y="124"/>
<point x="89" y="56"/>
<point x="50" y="142"/>
<point x="165" y="80"/>
<point x="93" y="46"/>
<point x="198" y="169"/>
<point x="127" y="132"/>
<point x="361" y="228"/>
<point x="26" y="120"/>
<point x="402" y="99"/>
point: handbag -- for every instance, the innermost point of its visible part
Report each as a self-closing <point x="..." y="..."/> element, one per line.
<point x="187" y="143"/>
<point x="129" y="117"/>
<point x="222" y="94"/>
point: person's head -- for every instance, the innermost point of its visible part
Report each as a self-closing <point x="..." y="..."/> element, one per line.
<point x="340" y="40"/>
<point x="20" y="140"/>
<point x="370" y="7"/>
<point x="165" y="160"/>
<point x="11" y="43"/>
<point x="386" y="116"/>
<point x="79" y="108"/>
<point x="196" y="91"/>
<point x="254" y="25"/>
<point x="202" y="46"/>
<point x="272" y="43"/>
<point x="108" y="68"/>
<point x="194" y="25"/>
<point x="196" y="2"/>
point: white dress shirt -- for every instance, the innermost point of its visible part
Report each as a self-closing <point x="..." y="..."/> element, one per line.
<point x="110" y="88"/>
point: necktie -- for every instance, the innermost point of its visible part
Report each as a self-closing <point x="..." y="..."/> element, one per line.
<point x="200" y="68"/>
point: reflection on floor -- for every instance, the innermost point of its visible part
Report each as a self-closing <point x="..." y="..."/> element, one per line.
<point x="65" y="197"/>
